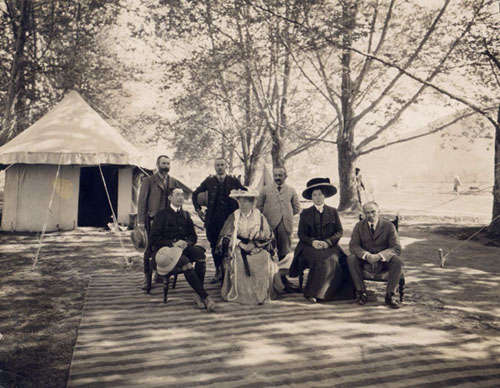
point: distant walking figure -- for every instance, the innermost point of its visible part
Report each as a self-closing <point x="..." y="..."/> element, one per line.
<point x="456" y="184"/>
<point x="360" y="186"/>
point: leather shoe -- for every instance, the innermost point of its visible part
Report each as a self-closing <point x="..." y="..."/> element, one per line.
<point x="389" y="301"/>
<point x="289" y="288"/>
<point x="217" y="277"/>
<point x="198" y="302"/>
<point x="362" y="298"/>
<point x="209" y="304"/>
<point x="312" y="299"/>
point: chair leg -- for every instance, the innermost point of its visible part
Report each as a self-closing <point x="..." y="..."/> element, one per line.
<point x="166" y="282"/>
<point x="222" y="270"/>
<point x="149" y="281"/>
<point x="401" y="288"/>
<point x="174" y="283"/>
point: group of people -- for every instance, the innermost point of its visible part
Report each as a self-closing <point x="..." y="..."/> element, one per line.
<point x="250" y="236"/>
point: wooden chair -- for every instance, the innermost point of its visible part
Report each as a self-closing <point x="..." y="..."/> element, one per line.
<point x="165" y="280"/>
<point x="382" y="276"/>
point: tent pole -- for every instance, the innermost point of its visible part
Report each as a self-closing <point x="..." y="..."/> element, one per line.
<point x="115" y="219"/>
<point x="49" y="210"/>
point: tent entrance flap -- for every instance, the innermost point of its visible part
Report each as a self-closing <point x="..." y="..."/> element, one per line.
<point x="93" y="205"/>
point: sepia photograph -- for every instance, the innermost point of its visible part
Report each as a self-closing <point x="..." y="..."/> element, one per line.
<point x="249" y="193"/>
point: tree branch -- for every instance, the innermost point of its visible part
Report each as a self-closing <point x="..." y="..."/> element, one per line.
<point x="408" y="63"/>
<point x="437" y="88"/>
<point x="398" y="141"/>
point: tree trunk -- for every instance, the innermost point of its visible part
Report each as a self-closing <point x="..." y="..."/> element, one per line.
<point x="15" y="92"/>
<point x="495" y="220"/>
<point x="346" y="165"/>
<point x="277" y="149"/>
<point x="345" y="140"/>
<point x="249" y="173"/>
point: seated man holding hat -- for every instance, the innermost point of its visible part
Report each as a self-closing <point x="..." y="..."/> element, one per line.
<point x="173" y="240"/>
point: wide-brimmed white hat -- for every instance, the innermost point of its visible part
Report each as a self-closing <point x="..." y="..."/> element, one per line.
<point x="166" y="259"/>
<point x="237" y="194"/>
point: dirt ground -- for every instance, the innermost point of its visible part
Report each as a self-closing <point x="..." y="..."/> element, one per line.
<point x="40" y="309"/>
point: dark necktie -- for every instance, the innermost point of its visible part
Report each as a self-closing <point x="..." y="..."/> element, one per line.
<point x="372" y="229"/>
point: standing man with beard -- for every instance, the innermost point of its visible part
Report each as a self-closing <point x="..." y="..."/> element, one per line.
<point x="219" y="207"/>
<point x="153" y="197"/>
<point x="279" y="203"/>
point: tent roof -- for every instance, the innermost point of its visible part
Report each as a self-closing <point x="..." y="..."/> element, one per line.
<point x="71" y="133"/>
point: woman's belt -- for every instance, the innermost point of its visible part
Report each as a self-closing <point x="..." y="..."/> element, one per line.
<point x="244" y="256"/>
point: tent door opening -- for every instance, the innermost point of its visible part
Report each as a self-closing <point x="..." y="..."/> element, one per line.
<point x="93" y="204"/>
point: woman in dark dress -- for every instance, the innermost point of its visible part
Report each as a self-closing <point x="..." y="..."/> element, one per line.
<point x="319" y="232"/>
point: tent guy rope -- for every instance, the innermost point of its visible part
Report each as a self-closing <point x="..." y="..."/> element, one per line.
<point x="128" y="262"/>
<point x="443" y="258"/>
<point x="49" y="210"/>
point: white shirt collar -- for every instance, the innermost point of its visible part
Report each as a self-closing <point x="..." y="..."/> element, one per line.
<point x="175" y="209"/>
<point x="320" y="208"/>
<point x="373" y="223"/>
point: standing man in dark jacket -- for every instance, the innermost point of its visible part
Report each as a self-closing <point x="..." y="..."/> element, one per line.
<point x="219" y="207"/>
<point x="153" y="197"/>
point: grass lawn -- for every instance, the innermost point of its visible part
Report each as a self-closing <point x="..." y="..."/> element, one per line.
<point x="41" y="308"/>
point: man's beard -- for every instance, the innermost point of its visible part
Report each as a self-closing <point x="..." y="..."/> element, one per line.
<point x="164" y="170"/>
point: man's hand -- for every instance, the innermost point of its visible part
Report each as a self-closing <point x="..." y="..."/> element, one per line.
<point x="201" y="214"/>
<point x="181" y="244"/>
<point x="373" y="258"/>
<point x="140" y="226"/>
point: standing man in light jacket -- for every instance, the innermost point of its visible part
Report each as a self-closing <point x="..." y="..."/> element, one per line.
<point x="153" y="197"/>
<point x="279" y="203"/>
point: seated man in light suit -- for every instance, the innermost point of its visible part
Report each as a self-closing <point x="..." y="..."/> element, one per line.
<point x="375" y="247"/>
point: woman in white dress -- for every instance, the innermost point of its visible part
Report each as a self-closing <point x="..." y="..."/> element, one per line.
<point x="250" y="271"/>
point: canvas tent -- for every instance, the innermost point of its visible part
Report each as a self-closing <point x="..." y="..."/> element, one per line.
<point x="62" y="162"/>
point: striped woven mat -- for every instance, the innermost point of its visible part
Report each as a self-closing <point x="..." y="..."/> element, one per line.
<point x="129" y="339"/>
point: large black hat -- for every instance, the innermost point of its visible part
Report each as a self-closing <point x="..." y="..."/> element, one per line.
<point x="319" y="183"/>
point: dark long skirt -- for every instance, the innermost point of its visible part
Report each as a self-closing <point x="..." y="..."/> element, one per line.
<point x="329" y="277"/>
